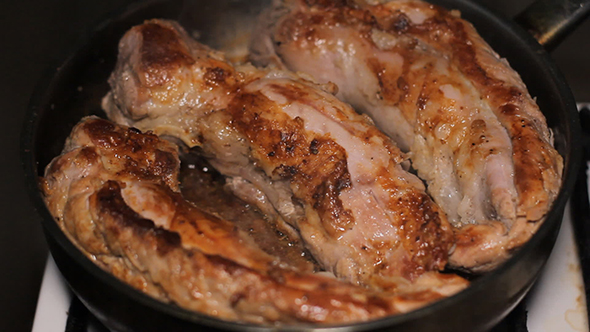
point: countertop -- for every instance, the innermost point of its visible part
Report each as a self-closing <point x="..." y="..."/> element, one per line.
<point x="34" y="36"/>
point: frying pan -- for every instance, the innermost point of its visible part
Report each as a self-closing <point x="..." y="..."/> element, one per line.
<point x="80" y="82"/>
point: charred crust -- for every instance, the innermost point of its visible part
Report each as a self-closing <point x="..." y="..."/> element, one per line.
<point x="216" y="76"/>
<point x="102" y="132"/>
<point x="400" y="23"/>
<point x="421" y="102"/>
<point x="110" y="204"/>
<point x="402" y="84"/>
<point x="314" y="146"/>
<point x="509" y="109"/>
<point x="162" y="50"/>
<point x="286" y="171"/>
<point x="144" y="155"/>
<point x="165" y="163"/>
<point x="89" y="154"/>
<point x="107" y="135"/>
<point x="453" y="35"/>
<point x="320" y="171"/>
<point x="334" y="216"/>
<point x="423" y="233"/>
<point x="343" y="182"/>
<point x="302" y="26"/>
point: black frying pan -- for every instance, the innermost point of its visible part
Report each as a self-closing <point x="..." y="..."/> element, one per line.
<point x="76" y="88"/>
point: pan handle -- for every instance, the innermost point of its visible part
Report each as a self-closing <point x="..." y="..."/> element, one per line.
<point x="550" y="21"/>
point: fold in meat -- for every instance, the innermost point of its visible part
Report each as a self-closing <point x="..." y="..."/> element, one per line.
<point x="430" y="82"/>
<point x="114" y="191"/>
<point x="326" y="170"/>
<point x="203" y="186"/>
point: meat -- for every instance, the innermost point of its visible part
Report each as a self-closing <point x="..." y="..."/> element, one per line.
<point x="114" y="191"/>
<point x="203" y="186"/>
<point x="473" y="132"/>
<point x="325" y="170"/>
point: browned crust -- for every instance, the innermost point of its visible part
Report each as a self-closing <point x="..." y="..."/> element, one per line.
<point x="424" y="231"/>
<point x="162" y="51"/>
<point x="111" y="203"/>
<point x="166" y="53"/>
<point x="315" y="165"/>
<point x="143" y="156"/>
<point x="537" y="164"/>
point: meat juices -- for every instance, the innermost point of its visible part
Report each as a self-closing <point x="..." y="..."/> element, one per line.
<point x="324" y="169"/>
<point x="428" y="80"/>
<point x="114" y="191"/>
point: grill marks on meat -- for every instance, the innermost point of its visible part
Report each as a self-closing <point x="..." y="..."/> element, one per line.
<point x="178" y="254"/>
<point x="430" y="82"/>
<point x="324" y="169"/>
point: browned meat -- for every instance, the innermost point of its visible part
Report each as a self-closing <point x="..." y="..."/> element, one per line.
<point x="429" y="80"/>
<point x="114" y="191"/>
<point x="326" y="170"/>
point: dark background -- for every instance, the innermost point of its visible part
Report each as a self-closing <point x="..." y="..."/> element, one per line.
<point x="36" y="35"/>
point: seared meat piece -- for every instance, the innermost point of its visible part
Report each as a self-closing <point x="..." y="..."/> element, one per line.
<point x="327" y="171"/>
<point x="114" y="192"/>
<point x="429" y="80"/>
<point x="203" y="186"/>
